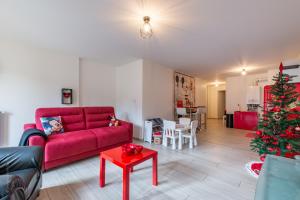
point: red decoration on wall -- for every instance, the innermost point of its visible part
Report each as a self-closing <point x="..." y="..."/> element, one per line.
<point x="66" y="96"/>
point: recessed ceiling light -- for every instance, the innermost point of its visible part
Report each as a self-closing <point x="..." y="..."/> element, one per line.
<point x="244" y="72"/>
<point x="146" y="29"/>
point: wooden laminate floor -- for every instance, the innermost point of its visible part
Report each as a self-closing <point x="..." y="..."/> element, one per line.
<point x="212" y="170"/>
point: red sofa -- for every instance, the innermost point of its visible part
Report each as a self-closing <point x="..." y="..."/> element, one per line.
<point x="86" y="134"/>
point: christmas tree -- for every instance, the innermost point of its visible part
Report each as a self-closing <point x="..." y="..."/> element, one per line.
<point x="279" y="128"/>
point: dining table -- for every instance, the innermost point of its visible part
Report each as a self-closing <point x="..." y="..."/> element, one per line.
<point x="181" y="128"/>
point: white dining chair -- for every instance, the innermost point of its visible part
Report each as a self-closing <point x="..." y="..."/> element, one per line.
<point x="169" y="132"/>
<point x="191" y="135"/>
<point x="185" y="121"/>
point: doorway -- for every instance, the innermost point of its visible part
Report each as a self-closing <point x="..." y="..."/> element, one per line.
<point x="221" y="103"/>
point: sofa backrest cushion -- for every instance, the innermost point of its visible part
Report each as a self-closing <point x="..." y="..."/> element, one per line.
<point x="72" y="117"/>
<point x="97" y="117"/>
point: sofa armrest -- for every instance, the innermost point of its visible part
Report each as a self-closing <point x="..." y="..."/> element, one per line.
<point x="11" y="187"/>
<point x="129" y="126"/>
<point x="37" y="140"/>
<point x="18" y="158"/>
<point x="29" y="126"/>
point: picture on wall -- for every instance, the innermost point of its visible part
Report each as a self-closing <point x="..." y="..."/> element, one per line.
<point x="66" y="96"/>
<point x="184" y="90"/>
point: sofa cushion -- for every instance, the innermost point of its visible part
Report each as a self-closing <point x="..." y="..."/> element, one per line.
<point x="68" y="144"/>
<point x="107" y="136"/>
<point x="72" y="117"/>
<point x="96" y="117"/>
<point x="52" y="125"/>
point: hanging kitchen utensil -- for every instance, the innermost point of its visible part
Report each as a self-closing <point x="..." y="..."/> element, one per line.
<point x="177" y="80"/>
<point x="182" y="81"/>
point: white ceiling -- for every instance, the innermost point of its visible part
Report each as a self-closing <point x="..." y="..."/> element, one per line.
<point x="210" y="38"/>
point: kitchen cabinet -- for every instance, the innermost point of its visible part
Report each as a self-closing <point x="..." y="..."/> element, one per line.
<point x="245" y="120"/>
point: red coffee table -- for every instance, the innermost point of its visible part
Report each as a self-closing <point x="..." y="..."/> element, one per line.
<point x="127" y="163"/>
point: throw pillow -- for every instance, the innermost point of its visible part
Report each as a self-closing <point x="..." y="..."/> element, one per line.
<point x="114" y="121"/>
<point x="52" y="125"/>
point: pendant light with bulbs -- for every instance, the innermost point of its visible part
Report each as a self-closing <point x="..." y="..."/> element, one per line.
<point x="146" y="29"/>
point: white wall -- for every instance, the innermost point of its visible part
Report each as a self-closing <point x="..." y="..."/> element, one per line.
<point x="200" y="92"/>
<point x="236" y="90"/>
<point x="31" y="78"/>
<point x="129" y="94"/>
<point x="212" y="100"/>
<point x="97" y="83"/>
<point x="158" y="91"/>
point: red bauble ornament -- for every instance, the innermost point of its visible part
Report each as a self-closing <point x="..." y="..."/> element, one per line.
<point x="287" y="78"/>
<point x="276" y="109"/>
<point x="265" y="118"/>
<point x="263" y="157"/>
<point x="265" y="124"/>
<point x="259" y="133"/>
<point x="270" y="149"/>
<point x="266" y="137"/>
<point x="282" y="97"/>
<point x="289" y="147"/>
<point x="282" y="135"/>
<point x="275" y="142"/>
<point x="289" y="133"/>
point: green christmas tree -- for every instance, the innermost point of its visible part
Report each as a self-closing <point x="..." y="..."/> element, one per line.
<point x="279" y="128"/>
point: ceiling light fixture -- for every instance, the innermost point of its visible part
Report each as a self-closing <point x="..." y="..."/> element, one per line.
<point x="244" y="72"/>
<point x="216" y="83"/>
<point x="146" y="29"/>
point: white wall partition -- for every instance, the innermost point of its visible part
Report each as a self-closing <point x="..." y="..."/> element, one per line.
<point x="144" y="90"/>
<point x="129" y="94"/>
<point x="158" y="91"/>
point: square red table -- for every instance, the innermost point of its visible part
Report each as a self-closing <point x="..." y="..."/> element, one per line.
<point x="127" y="162"/>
